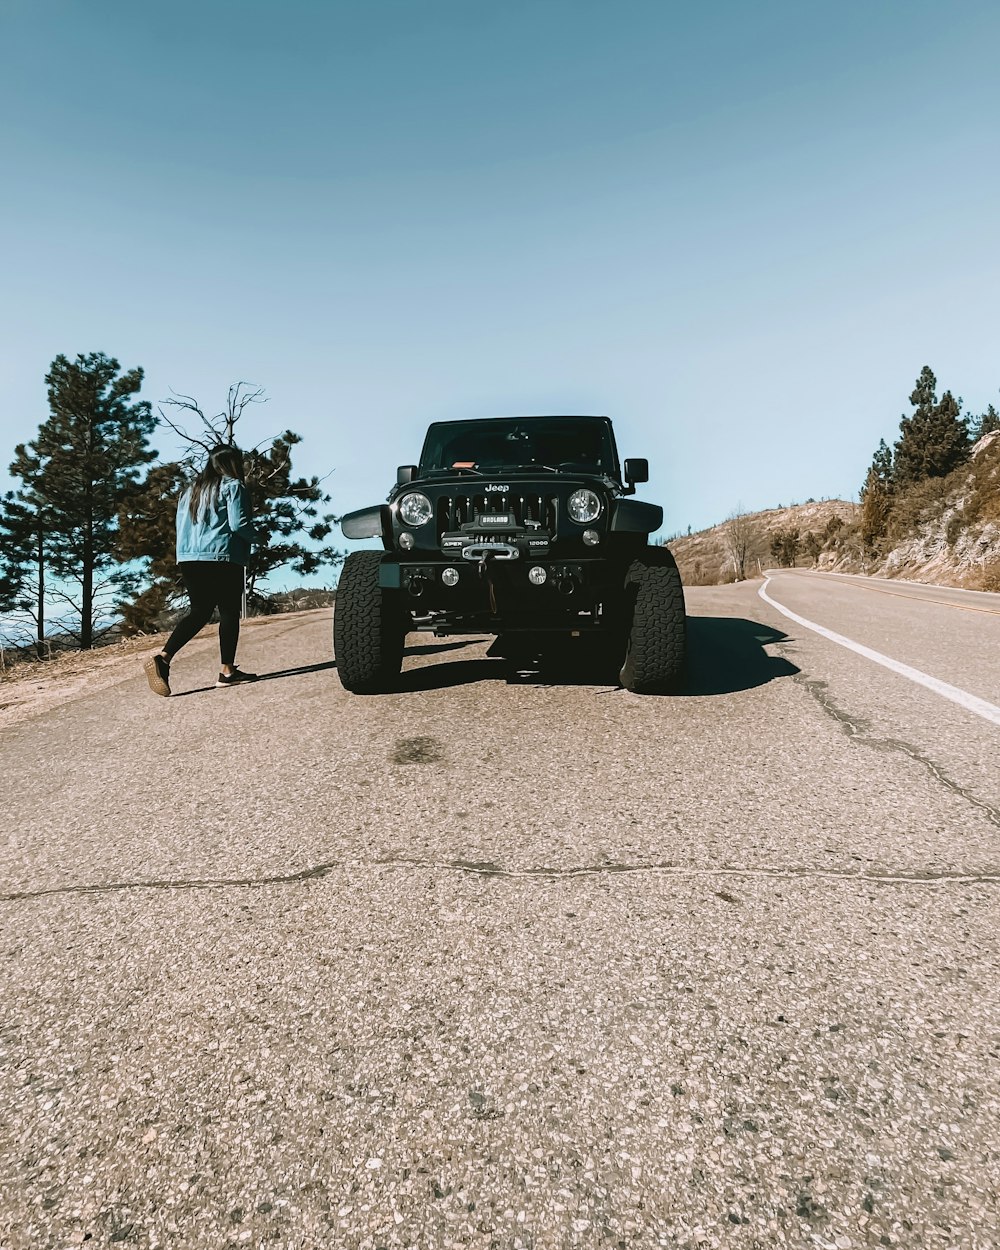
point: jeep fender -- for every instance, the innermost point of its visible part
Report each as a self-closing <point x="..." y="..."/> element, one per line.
<point x="630" y="516"/>
<point x="369" y="523"/>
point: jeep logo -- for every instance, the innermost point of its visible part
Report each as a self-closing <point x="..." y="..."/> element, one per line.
<point x="496" y="486"/>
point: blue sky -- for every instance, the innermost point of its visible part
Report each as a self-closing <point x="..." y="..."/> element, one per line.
<point x="739" y="229"/>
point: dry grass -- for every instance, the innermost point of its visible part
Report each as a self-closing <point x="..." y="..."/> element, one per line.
<point x="703" y="558"/>
<point x="981" y="487"/>
<point x="61" y="647"/>
<point x="63" y="655"/>
<point x="33" y="686"/>
<point x="987" y="578"/>
<point x="36" y="686"/>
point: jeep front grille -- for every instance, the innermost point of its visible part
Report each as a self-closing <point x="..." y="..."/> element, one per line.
<point x="454" y="511"/>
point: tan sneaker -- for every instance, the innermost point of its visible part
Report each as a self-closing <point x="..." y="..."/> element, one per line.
<point x="157" y="671"/>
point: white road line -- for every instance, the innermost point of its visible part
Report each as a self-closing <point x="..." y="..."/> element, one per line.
<point x="971" y="702"/>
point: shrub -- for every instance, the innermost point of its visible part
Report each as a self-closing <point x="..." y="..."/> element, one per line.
<point x="784" y="545"/>
<point x="698" y="574"/>
<point x="982" y="501"/>
<point x="832" y="527"/>
<point x="812" y="545"/>
<point x="920" y="504"/>
<point x="989" y="578"/>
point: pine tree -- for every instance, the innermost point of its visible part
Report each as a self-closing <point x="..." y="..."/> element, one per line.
<point x="784" y="546"/>
<point x="286" y="509"/>
<point x="935" y="439"/>
<point x="812" y="545"/>
<point x="22" y="562"/>
<point x="26" y="529"/>
<point x="147" y="532"/>
<point x="832" y="528"/>
<point x="83" y="463"/>
<point x="882" y="463"/>
<point x="876" y="496"/>
<point x="986" y="423"/>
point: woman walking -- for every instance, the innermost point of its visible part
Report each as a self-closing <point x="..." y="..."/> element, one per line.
<point x="213" y="546"/>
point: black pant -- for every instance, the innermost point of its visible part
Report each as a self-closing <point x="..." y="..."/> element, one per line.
<point x="210" y="584"/>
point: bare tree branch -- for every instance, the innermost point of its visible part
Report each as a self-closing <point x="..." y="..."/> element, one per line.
<point x="238" y="400"/>
<point x="743" y="541"/>
<point x="183" y="434"/>
<point x="219" y="428"/>
<point x="187" y="402"/>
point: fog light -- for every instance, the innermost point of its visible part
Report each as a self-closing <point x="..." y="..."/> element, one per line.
<point x="591" y="537"/>
<point x="450" y="577"/>
<point x="406" y="541"/>
<point x="537" y="576"/>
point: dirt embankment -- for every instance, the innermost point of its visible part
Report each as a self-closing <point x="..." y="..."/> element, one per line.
<point x="706" y="557"/>
<point x="943" y="531"/>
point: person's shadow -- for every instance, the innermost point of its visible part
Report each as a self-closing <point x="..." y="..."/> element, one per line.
<point x="298" y="672"/>
<point x="284" y="672"/>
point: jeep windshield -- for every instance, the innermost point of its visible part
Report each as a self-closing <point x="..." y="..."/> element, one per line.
<point x="521" y="445"/>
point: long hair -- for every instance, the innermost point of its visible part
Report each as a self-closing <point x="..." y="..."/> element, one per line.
<point x="223" y="461"/>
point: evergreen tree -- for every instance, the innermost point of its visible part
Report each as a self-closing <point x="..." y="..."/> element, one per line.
<point x="286" y="510"/>
<point x="83" y="463"/>
<point x="812" y="545"/>
<point x="288" y="524"/>
<point x="832" y="528"/>
<point x="986" y="423"/>
<point x="882" y="463"/>
<point x="935" y="439"/>
<point x="876" y="496"/>
<point x="147" y="532"/>
<point x="22" y="562"/>
<point x="784" y="546"/>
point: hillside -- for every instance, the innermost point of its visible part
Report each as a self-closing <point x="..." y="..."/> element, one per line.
<point x="704" y="558"/>
<point x="944" y="531"/>
<point x="948" y="531"/>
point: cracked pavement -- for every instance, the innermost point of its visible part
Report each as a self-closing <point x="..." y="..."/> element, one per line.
<point x="506" y="960"/>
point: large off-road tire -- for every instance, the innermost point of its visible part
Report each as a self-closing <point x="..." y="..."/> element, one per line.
<point x="369" y="627"/>
<point x="657" y="636"/>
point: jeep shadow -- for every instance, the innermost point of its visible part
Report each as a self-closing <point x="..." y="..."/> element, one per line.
<point x="725" y="655"/>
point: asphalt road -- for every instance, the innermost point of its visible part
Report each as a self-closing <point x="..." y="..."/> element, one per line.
<point x="508" y="960"/>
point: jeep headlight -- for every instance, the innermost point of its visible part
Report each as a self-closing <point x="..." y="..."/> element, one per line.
<point x="584" y="506"/>
<point x="415" y="509"/>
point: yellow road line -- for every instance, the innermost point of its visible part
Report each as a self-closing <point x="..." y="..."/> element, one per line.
<point x="899" y="594"/>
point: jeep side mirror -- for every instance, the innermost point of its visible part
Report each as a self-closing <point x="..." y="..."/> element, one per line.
<point x="636" y="471"/>
<point x="407" y="472"/>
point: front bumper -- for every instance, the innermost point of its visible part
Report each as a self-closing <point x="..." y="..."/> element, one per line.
<point x="500" y="590"/>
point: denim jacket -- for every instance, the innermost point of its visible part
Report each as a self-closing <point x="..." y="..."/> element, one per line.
<point x="222" y="531"/>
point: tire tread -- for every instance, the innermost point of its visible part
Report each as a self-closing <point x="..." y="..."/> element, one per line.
<point x="368" y="628"/>
<point x="657" y="644"/>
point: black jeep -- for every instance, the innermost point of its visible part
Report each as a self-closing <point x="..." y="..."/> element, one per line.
<point x="520" y="527"/>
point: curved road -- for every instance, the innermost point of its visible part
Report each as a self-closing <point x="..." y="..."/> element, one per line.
<point x="508" y="960"/>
